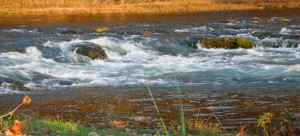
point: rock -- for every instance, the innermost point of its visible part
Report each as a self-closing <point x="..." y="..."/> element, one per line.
<point x="14" y="86"/>
<point x="100" y="29"/>
<point x="90" y="50"/>
<point x="227" y="43"/>
<point x="262" y="35"/>
<point x="244" y="43"/>
<point x="234" y="21"/>
<point x="256" y="19"/>
<point x="268" y="44"/>
<point x="285" y="20"/>
<point x="19" y="87"/>
<point x="69" y="31"/>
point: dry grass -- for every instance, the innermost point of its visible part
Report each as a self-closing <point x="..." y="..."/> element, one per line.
<point x="136" y="6"/>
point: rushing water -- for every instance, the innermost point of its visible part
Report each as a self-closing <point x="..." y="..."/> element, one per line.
<point x="236" y="85"/>
<point x="40" y="56"/>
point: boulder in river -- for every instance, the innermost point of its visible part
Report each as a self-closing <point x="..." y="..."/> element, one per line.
<point x="19" y="87"/>
<point x="227" y="43"/>
<point x="14" y="86"/>
<point x="70" y="31"/>
<point x="90" y="50"/>
<point x="263" y="34"/>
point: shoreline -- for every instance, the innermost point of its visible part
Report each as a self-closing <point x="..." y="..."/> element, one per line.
<point x="95" y="106"/>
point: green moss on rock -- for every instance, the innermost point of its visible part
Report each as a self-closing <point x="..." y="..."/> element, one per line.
<point x="90" y="50"/>
<point x="227" y="43"/>
<point x="19" y="87"/>
<point x="244" y="43"/>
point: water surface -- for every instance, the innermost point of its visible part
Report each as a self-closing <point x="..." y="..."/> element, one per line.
<point x="155" y="50"/>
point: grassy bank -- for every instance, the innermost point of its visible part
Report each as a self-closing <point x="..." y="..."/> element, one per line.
<point x="63" y="128"/>
<point x="137" y="6"/>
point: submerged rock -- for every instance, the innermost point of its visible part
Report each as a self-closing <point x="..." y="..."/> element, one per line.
<point x="19" y="87"/>
<point x="90" y="50"/>
<point x="227" y="43"/>
<point x="262" y="35"/>
<point x="14" y="86"/>
<point x="70" y="31"/>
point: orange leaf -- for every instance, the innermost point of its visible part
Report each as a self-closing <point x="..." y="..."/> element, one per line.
<point x="16" y="128"/>
<point x="26" y="100"/>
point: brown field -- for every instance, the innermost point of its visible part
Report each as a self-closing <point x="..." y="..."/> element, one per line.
<point x="10" y="7"/>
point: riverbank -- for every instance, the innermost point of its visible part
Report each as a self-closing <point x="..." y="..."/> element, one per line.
<point x="134" y="107"/>
<point x="38" y="7"/>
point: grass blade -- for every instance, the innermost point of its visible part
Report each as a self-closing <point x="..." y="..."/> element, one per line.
<point x="183" y="129"/>
<point x="157" y="110"/>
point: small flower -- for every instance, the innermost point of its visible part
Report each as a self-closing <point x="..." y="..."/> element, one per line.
<point x="26" y="100"/>
<point x="16" y="128"/>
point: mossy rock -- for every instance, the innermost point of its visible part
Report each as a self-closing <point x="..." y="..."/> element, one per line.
<point x="244" y="43"/>
<point x="100" y="29"/>
<point x="227" y="43"/>
<point x="285" y="20"/>
<point x="19" y="87"/>
<point x="90" y="50"/>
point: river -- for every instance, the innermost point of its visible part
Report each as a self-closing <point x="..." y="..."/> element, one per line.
<point x="155" y="50"/>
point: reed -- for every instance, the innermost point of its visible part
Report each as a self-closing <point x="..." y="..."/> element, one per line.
<point x="158" y="112"/>
<point x="181" y="111"/>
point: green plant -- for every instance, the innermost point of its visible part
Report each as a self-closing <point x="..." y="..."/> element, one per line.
<point x="181" y="112"/>
<point x="157" y="110"/>
<point x="263" y="122"/>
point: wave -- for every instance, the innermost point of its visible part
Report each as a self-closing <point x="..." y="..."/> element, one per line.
<point x="136" y="60"/>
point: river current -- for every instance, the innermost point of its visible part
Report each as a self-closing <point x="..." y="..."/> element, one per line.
<point x="153" y="50"/>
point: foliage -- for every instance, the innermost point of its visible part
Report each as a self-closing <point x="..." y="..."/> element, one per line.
<point x="263" y="122"/>
<point x="183" y="130"/>
<point x="65" y="128"/>
<point x="17" y="126"/>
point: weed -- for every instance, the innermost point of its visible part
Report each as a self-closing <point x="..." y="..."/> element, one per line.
<point x="264" y="121"/>
<point x="157" y="110"/>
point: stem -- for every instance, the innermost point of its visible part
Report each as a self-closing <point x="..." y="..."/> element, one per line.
<point x="220" y="123"/>
<point x="11" y="111"/>
<point x="165" y="128"/>
<point x="181" y="111"/>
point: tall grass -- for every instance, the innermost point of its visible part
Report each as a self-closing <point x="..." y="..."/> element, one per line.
<point x="136" y="6"/>
<point x="158" y="112"/>
<point x="197" y="127"/>
<point x="181" y="111"/>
